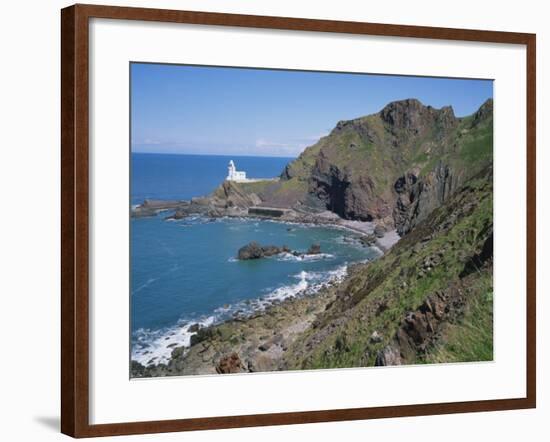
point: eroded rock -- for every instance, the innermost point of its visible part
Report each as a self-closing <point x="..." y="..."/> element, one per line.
<point x="230" y="364"/>
<point x="388" y="356"/>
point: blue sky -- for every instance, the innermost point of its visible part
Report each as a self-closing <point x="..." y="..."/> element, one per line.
<point x="233" y="111"/>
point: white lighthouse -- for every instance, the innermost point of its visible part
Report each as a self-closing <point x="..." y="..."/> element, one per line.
<point x="235" y="175"/>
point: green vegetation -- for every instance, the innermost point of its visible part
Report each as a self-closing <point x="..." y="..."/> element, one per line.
<point x="479" y="148"/>
<point x="430" y="261"/>
<point x="471" y="339"/>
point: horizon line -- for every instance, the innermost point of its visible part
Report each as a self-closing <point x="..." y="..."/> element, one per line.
<point x="212" y="154"/>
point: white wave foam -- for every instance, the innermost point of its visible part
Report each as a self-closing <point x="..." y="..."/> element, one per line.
<point x="289" y="291"/>
<point x="153" y="348"/>
<point x="310" y="283"/>
<point x="304" y="257"/>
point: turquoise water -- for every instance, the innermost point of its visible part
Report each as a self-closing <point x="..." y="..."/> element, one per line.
<point x="185" y="272"/>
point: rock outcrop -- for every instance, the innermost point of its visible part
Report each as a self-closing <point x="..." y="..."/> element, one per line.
<point x="152" y="207"/>
<point x="417" y="197"/>
<point x="395" y="166"/>
<point x="253" y="250"/>
<point x="314" y="249"/>
<point x="230" y="194"/>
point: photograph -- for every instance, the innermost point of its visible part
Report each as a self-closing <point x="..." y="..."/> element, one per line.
<point x="294" y="220"/>
<point x="275" y="221"/>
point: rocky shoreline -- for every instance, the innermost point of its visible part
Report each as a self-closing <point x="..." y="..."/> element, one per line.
<point x="254" y="343"/>
<point x="371" y="233"/>
<point x="257" y="342"/>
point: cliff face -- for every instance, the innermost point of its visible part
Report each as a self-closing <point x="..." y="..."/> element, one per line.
<point x="394" y="166"/>
<point x="416" y="198"/>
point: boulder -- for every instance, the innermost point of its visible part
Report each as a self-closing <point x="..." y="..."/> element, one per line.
<point x="194" y="328"/>
<point x="230" y="364"/>
<point x="315" y="249"/>
<point x="178" y="352"/>
<point x="201" y="335"/>
<point x="388" y="356"/>
<point x="252" y="250"/>
<point x="274" y="250"/>
<point x="178" y="214"/>
<point x="375" y="337"/>
<point x="368" y="240"/>
<point x="379" y="231"/>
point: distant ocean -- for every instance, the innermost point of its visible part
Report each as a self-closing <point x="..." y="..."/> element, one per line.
<point x="185" y="272"/>
<point x="166" y="176"/>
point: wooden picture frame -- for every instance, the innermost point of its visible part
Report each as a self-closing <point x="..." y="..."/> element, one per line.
<point x="75" y="379"/>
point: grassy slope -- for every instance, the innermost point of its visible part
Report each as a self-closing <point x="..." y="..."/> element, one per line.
<point x="471" y="339"/>
<point x="381" y="293"/>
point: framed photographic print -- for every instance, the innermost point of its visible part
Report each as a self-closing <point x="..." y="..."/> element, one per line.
<point x="273" y="220"/>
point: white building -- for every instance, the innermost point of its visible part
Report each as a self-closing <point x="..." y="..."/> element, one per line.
<point x="233" y="174"/>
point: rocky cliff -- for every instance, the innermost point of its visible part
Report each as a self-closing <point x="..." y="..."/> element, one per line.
<point x="394" y="166"/>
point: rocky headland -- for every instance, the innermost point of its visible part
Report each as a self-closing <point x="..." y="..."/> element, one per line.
<point x="391" y="169"/>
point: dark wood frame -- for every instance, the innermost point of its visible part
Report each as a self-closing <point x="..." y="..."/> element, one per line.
<point x="74" y="219"/>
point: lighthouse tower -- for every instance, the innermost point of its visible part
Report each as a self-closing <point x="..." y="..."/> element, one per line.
<point x="233" y="174"/>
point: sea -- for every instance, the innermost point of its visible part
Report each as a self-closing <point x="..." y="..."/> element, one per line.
<point x="185" y="272"/>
